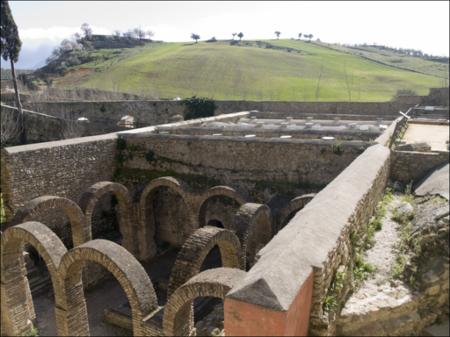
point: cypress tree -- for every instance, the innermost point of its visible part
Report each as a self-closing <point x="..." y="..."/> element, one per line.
<point x="10" y="45"/>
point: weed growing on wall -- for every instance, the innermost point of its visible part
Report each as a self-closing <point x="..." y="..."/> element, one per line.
<point x="330" y="302"/>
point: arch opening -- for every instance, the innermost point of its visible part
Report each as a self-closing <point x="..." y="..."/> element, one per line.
<point x="179" y="315"/>
<point x="218" y="211"/>
<point x="105" y="219"/>
<point x="19" y="305"/>
<point x="167" y="219"/>
<point x="129" y="273"/>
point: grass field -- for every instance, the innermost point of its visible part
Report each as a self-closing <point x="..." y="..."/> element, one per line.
<point x="397" y="60"/>
<point x="287" y="70"/>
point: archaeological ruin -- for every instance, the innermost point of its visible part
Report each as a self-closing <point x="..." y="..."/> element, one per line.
<point x="275" y="219"/>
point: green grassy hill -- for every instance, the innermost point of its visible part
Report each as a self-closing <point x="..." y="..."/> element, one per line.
<point x="253" y="70"/>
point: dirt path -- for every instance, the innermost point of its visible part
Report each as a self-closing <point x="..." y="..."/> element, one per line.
<point x="379" y="290"/>
<point x="381" y="255"/>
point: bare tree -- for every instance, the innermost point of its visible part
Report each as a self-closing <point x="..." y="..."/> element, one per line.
<point x="149" y="34"/>
<point x="87" y="30"/>
<point x="139" y="32"/>
<point x="116" y="34"/>
<point x="234" y="35"/>
<point x="277" y="33"/>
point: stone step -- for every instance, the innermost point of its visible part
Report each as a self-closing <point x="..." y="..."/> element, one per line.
<point x="396" y="326"/>
<point x="365" y="309"/>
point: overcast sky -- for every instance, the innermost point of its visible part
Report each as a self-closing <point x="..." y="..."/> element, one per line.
<point x="414" y="24"/>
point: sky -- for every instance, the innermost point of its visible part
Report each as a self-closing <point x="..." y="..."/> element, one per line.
<point x="420" y="25"/>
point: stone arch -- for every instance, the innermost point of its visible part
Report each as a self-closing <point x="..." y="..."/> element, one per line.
<point x="81" y="231"/>
<point x="95" y="192"/>
<point x="123" y="266"/>
<point x="254" y="229"/>
<point x="17" y="304"/>
<point x="147" y="233"/>
<point x="217" y="191"/>
<point x="196" y="248"/>
<point x="291" y="208"/>
<point x="178" y="319"/>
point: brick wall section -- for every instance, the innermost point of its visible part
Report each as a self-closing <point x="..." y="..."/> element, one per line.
<point x="62" y="168"/>
<point x="317" y="241"/>
<point x="412" y="165"/>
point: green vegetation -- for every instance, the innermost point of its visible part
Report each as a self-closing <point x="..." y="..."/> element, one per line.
<point x="397" y="60"/>
<point x="198" y="107"/>
<point x="330" y="302"/>
<point x="406" y="245"/>
<point x="251" y="70"/>
<point x="361" y="270"/>
<point x="33" y="332"/>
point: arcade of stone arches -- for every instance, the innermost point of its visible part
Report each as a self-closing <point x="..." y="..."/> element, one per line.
<point x="239" y="240"/>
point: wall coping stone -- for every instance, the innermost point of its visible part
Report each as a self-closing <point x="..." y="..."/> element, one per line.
<point x="58" y="143"/>
<point x="150" y="129"/>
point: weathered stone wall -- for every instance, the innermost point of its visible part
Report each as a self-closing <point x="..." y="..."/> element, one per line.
<point x="62" y="168"/>
<point x="315" y="242"/>
<point x="158" y="112"/>
<point x="248" y="165"/>
<point x="410" y="166"/>
<point x="109" y="112"/>
<point x="39" y="128"/>
<point x="437" y="96"/>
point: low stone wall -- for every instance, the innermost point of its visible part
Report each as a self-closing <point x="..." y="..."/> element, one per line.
<point x="410" y="166"/>
<point x="39" y="127"/>
<point x="296" y="268"/>
<point x="158" y="112"/>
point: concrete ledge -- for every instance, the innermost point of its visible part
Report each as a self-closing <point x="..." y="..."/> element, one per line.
<point x="60" y="143"/>
<point x="143" y="132"/>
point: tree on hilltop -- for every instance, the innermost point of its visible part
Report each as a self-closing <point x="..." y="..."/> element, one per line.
<point x="149" y="34"/>
<point x="139" y="33"/>
<point x="234" y="35"/>
<point x="240" y="36"/>
<point x="116" y="34"/>
<point x="277" y="33"/>
<point x="299" y="36"/>
<point x="87" y="30"/>
<point x="195" y="37"/>
<point x="10" y="45"/>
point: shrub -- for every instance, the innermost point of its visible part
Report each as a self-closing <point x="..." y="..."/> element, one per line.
<point x="198" y="107"/>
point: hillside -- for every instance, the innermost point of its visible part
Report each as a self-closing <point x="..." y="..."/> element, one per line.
<point x="395" y="59"/>
<point x="252" y="70"/>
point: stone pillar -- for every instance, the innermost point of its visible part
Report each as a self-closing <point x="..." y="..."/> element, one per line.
<point x="245" y="318"/>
